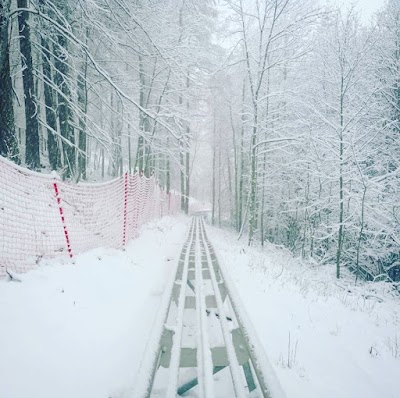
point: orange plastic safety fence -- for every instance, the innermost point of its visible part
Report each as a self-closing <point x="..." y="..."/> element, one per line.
<point x="43" y="217"/>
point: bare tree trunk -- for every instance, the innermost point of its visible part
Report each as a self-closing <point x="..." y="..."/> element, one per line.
<point x="187" y="176"/>
<point x="182" y="173"/>
<point x="102" y="163"/>
<point x="341" y="193"/>
<point x="264" y="178"/>
<point x="360" y="236"/>
<point x="234" y="209"/>
<point x="82" y="98"/>
<point x="231" y="207"/>
<point x="83" y="104"/>
<point x="241" y="167"/>
<point x="341" y="211"/>
<point x="253" y="180"/>
<point x="168" y="172"/>
<point x="129" y="150"/>
<point x="306" y="216"/>
<point x="32" y="151"/>
<point x="51" y="117"/>
<point x="213" y="178"/>
<point x="116" y="132"/>
<point x="64" y="110"/>
<point x="140" y="154"/>
<point x="262" y="229"/>
<point x="219" y="178"/>
<point x="8" y="138"/>
<point x="187" y="192"/>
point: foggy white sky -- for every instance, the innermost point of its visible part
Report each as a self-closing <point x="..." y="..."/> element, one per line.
<point x="367" y="7"/>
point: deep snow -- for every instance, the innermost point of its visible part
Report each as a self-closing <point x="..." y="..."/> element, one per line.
<point x="324" y="338"/>
<point x="80" y="330"/>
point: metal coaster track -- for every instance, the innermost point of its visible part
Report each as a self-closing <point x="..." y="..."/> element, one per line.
<point x="202" y="333"/>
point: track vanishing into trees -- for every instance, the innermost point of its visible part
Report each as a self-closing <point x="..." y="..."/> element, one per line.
<point x="203" y="348"/>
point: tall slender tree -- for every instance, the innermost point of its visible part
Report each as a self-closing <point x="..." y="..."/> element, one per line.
<point x="32" y="153"/>
<point x="8" y="140"/>
<point x="50" y="105"/>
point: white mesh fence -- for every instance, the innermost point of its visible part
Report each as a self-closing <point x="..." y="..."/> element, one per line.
<point x="44" y="217"/>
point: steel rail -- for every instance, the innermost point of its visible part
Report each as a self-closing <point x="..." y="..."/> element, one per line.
<point x="204" y="359"/>
<point x="234" y="366"/>
<point x="177" y="338"/>
<point x="257" y="355"/>
<point x="198" y="263"/>
<point x="149" y="366"/>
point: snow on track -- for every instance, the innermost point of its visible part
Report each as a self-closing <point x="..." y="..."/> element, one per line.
<point x="189" y="352"/>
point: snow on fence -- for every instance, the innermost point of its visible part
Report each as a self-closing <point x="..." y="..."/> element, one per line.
<point x="44" y="217"/>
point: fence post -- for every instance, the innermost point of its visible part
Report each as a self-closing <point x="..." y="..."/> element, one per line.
<point x="58" y="198"/>
<point x="125" y="209"/>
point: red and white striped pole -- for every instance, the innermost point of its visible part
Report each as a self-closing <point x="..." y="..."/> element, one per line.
<point x="125" y="209"/>
<point x="63" y="219"/>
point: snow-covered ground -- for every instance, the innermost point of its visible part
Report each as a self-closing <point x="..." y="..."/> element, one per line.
<point x="324" y="338"/>
<point x="81" y="330"/>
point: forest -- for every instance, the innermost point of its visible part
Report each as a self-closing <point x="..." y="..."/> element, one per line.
<point x="284" y="115"/>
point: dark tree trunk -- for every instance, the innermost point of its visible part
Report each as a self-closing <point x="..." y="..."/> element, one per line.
<point x="102" y="163"/>
<point x="219" y="178"/>
<point x="51" y="118"/>
<point x="32" y="155"/>
<point x="141" y="151"/>
<point x="139" y="154"/>
<point x="168" y="172"/>
<point x="241" y="165"/>
<point x="82" y="99"/>
<point x="253" y="178"/>
<point x="83" y="105"/>
<point x="182" y="172"/>
<point x="129" y="150"/>
<point x="8" y="140"/>
<point x="187" y="157"/>
<point x="213" y="177"/>
<point x="187" y="176"/>
<point x="64" y="111"/>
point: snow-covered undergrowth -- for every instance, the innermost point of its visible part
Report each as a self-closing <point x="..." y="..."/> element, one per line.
<point x="81" y="330"/>
<point x="324" y="337"/>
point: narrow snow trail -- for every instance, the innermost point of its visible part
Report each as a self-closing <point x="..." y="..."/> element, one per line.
<point x="81" y="330"/>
